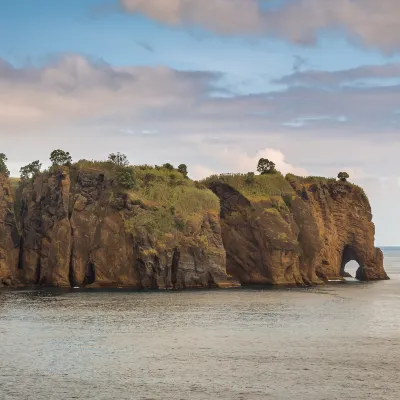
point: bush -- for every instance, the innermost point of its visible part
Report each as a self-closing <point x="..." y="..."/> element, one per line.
<point x="288" y="199"/>
<point x="127" y="179"/>
<point x="168" y="166"/>
<point x="250" y="178"/>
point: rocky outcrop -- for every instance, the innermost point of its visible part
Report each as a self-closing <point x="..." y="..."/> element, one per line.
<point x="74" y="233"/>
<point x="302" y="237"/>
<point x="9" y="236"/>
<point x="77" y="227"/>
<point x="343" y="217"/>
<point x="260" y="240"/>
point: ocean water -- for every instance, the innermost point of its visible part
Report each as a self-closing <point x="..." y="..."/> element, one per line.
<point x="340" y="341"/>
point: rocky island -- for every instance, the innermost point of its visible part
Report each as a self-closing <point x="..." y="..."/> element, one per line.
<point x="108" y="224"/>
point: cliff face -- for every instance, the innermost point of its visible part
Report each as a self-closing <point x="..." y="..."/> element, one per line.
<point x="305" y="235"/>
<point x="9" y="236"/>
<point x="79" y="228"/>
<point x="343" y="217"/>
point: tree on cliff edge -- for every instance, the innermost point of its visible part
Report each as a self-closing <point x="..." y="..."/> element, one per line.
<point x="60" y="158"/>
<point x="118" y="159"/>
<point x="30" y="170"/>
<point x="266" y="166"/>
<point x="182" y="168"/>
<point x="343" y="176"/>
<point x="3" y="166"/>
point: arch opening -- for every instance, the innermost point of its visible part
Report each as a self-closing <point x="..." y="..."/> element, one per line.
<point x="351" y="265"/>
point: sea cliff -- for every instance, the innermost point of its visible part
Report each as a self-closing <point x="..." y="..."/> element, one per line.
<point x="84" y="226"/>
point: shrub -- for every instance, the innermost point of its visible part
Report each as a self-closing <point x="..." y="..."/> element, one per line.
<point x="127" y="179"/>
<point x="288" y="199"/>
<point x="168" y="166"/>
<point x="250" y="177"/>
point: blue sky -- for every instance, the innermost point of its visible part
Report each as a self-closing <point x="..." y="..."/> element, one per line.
<point x="214" y="84"/>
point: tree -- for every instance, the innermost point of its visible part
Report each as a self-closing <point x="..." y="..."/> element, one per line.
<point x="266" y="166"/>
<point x="168" y="166"/>
<point x="3" y="166"/>
<point x="182" y="168"/>
<point x="343" y="176"/>
<point x="30" y="170"/>
<point x="60" y="158"/>
<point x="118" y="159"/>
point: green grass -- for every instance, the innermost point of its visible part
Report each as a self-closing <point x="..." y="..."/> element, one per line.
<point x="320" y="180"/>
<point x="309" y="179"/>
<point x="173" y="205"/>
<point x="162" y="187"/>
<point x="260" y="188"/>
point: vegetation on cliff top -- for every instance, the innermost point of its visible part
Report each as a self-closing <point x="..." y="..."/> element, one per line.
<point x="254" y="187"/>
<point x="309" y="180"/>
<point x="172" y="205"/>
<point x="171" y="188"/>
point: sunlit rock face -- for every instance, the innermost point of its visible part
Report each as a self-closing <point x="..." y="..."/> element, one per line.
<point x="78" y="227"/>
<point x="9" y="235"/>
<point x="302" y="236"/>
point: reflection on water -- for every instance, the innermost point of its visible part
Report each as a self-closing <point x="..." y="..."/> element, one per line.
<point x="333" y="342"/>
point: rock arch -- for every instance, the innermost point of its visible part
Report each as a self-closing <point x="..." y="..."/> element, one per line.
<point x="351" y="253"/>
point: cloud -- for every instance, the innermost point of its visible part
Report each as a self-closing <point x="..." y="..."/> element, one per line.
<point x="371" y="22"/>
<point x="299" y="63"/>
<point x="223" y="16"/>
<point x="76" y="91"/>
<point x="233" y="160"/>
<point x="146" y="46"/>
<point x="365" y="73"/>
<point x="238" y="161"/>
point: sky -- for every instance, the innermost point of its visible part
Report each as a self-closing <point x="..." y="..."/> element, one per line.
<point x="215" y="84"/>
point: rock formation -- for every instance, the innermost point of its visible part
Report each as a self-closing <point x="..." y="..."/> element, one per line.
<point x="75" y="232"/>
<point x="305" y="234"/>
<point x="77" y="227"/>
<point x="9" y="235"/>
<point x="343" y="216"/>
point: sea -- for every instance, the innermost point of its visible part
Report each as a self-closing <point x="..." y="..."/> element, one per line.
<point x="339" y="341"/>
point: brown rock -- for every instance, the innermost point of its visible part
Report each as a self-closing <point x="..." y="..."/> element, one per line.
<point x="9" y="236"/>
<point x="326" y="225"/>
<point x="79" y="229"/>
<point x="74" y="233"/>
<point x="260" y="240"/>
